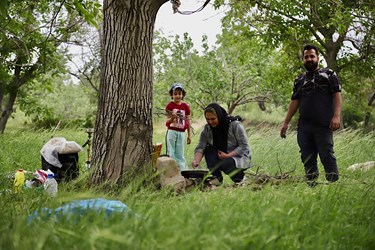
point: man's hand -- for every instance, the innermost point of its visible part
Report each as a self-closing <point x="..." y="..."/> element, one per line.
<point x="188" y="140"/>
<point x="283" y="130"/>
<point x="335" y="123"/>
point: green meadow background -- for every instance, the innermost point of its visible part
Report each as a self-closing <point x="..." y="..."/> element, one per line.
<point x="287" y="214"/>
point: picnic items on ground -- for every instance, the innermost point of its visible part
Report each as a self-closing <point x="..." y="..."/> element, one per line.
<point x="42" y="180"/>
<point x="19" y="181"/>
<point x="61" y="157"/>
<point x="50" y="185"/>
<point x="78" y="209"/>
<point x="41" y="176"/>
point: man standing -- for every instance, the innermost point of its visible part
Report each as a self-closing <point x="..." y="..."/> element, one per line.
<point x="317" y="95"/>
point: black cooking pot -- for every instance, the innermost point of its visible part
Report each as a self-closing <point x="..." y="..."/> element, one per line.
<point x="194" y="173"/>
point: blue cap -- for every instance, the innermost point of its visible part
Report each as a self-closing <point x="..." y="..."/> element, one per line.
<point x="177" y="85"/>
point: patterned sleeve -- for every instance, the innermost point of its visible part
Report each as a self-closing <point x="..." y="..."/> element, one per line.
<point x="334" y="82"/>
<point x="296" y="87"/>
<point x="203" y="140"/>
<point x="241" y="138"/>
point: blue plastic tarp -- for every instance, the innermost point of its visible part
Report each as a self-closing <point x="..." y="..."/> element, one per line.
<point x="77" y="208"/>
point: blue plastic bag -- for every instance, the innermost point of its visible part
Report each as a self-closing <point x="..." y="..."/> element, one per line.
<point x="80" y="208"/>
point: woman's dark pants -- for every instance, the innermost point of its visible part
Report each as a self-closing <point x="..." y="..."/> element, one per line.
<point x="216" y="165"/>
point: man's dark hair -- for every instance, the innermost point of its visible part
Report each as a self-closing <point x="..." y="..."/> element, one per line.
<point x="309" y="47"/>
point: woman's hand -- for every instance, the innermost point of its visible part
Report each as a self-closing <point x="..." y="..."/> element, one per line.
<point x="197" y="159"/>
<point x="195" y="164"/>
<point x="222" y="155"/>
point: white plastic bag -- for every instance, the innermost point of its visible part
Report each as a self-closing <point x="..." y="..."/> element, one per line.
<point x="58" y="145"/>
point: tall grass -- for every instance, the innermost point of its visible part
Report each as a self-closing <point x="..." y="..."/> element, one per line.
<point x="290" y="215"/>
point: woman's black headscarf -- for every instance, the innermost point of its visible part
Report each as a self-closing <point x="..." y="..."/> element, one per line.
<point x="220" y="132"/>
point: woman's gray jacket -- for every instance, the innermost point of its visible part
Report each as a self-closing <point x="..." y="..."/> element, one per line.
<point x="237" y="140"/>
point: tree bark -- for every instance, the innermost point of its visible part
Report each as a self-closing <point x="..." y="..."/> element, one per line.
<point x="370" y="103"/>
<point x="7" y="110"/>
<point x="7" y="100"/>
<point x="123" y="131"/>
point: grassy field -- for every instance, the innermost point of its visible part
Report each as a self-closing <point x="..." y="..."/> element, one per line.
<point x="277" y="215"/>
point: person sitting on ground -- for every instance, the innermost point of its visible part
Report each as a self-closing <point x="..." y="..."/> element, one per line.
<point x="224" y="144"/>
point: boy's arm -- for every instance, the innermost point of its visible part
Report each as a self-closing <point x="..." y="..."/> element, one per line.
<point x="171" y="116"/>
<point x="188" y="129"/>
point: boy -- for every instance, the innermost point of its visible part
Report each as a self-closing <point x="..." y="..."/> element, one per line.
<point x="177" y="122"/>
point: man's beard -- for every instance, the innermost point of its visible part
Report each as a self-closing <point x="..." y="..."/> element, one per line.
<point x="311" y="66"/>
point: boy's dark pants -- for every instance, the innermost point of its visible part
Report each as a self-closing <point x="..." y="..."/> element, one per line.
<point x="314" y="140"/>
<point x="216" y="165"/>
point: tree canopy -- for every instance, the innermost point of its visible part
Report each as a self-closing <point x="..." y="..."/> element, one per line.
<point x="232" y="73"/>
<point x="340" y="28"/>
<point x="343" y="30"/>
<point x="30" y="37"/>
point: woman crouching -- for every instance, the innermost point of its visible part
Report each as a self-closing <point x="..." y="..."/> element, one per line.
<point x="224" y="144"/>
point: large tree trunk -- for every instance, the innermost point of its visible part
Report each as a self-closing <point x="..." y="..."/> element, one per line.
<point x="370" y="103"/>
<point x="8" y="98"/>
<point x="7" y="110"/>
<point x="123" y="131"/>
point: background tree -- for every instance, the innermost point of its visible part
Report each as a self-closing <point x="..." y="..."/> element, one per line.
<point x="53" y="101"/>
<point x="245" y="62"/>
<point x="30" y="37"/>
<point x="333" y="25"/>
<point x="84" y="64"/>
<point x="231" y="73"/>
<point x="359" y="103"/>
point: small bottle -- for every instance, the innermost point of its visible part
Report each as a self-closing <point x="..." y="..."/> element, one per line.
<point x="19" y="181"/>
<point x="50" y="185"/>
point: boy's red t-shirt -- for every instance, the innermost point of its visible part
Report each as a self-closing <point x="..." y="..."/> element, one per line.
<point x="180" y="123"/>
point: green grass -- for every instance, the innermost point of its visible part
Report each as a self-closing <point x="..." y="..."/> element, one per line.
<point x="289" y="215"/>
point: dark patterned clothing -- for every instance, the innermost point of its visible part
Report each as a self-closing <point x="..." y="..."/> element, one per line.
<point x="216" y="165"/>
<point x="237" y="140"/>
<point x="315" y="92"/>
<point x="314" y="140"/>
